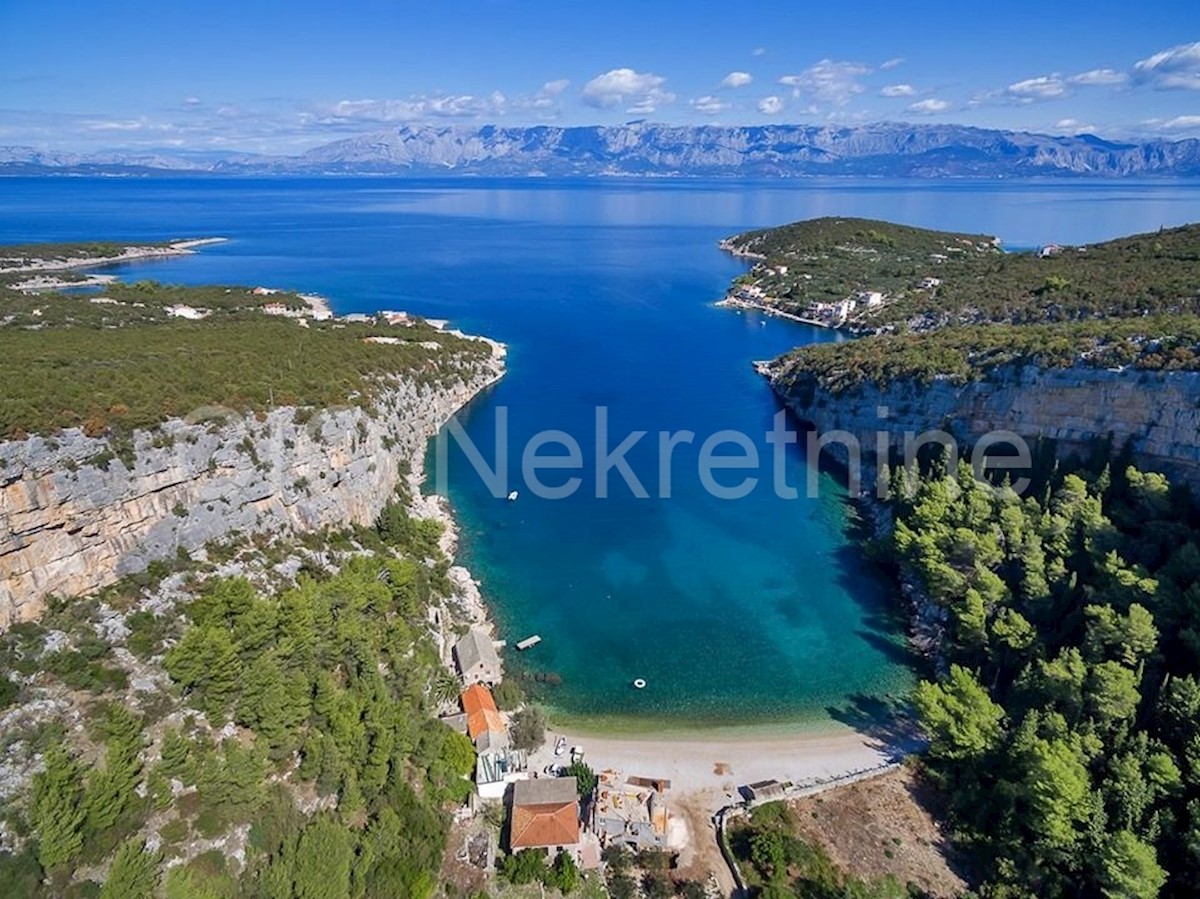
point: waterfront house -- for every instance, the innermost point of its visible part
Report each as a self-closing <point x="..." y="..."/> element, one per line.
<point x="843" y="309"/>
<point x="631" y="811"/>
<point x="485" y="727"/>
<point x="476" y="658"/>
<point x="545" y="815"/>
<point x="495" y="770"/>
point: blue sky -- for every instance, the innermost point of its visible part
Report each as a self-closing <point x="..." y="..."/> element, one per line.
<point x="282" y="77"/>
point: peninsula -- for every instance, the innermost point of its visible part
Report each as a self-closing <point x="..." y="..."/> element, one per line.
<point x="1058" y="615"/>
<point x="1072" y="344"/>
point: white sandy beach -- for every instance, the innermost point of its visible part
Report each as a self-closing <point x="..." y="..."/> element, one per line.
<point x="715" y="767"/>
<point x="706" y="773"/>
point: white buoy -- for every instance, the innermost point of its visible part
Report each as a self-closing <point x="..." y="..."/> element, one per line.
<point x="639" y="683"/>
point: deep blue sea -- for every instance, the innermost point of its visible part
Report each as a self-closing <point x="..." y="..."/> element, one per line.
<point x="748" y="611"/>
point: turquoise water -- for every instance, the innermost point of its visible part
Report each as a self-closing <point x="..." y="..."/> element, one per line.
<point x="749" y="611"/>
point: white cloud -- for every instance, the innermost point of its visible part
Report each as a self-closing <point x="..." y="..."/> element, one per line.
<point x="1044" y="87"/>
<point x="770" y="106"/>
<point x="1099" y="77"/>
<point x="759" y="51"/>
<point x="441" y="106"/>
<point x="643" y="91"/>
<point x="1073" y="126"/>
<point x="898" y="90"/>
<point x="892" y="63"/>
<point x="1181" y="123"/>
<point x="556" y="87"/>
<point x="191" y="101"/>
<point x="931" y="106"/>
<point x="828" y="81"/>
<point x="737" y="79"/>
<point x="1176" y="68"/>
<point x="709" y="105"/>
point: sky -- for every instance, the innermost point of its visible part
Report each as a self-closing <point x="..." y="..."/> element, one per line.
<point x="278" y="77"/>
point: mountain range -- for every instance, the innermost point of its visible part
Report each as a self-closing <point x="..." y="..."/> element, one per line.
<point x="646" y="149"/>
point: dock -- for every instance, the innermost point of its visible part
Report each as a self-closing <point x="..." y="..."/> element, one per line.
<point x="529" y="641"/>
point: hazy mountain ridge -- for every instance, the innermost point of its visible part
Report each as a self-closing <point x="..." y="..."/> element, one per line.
<point x="887" y="149"/>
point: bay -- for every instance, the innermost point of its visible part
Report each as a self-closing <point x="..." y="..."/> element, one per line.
<point x="736" y="612"/>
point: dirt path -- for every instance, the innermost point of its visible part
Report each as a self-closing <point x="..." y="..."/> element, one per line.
<point x="701" y="857"/>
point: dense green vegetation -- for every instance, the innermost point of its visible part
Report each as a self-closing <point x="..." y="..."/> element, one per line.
<point x="1065" y="733"/>
<point x="777" y="864"/>
<point x="530" y="866"/>
<point x="828" y="259"/>
<point x="12" y="255"/>
<point x="969" y="352"/>
<point x="311" y="696"/>
<point x="114" y="359"/>
<point x="1132" y="301"/>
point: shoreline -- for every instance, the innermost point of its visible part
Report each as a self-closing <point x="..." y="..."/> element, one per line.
<point x="711" y="769"/>
<point x="432" y="505"/>
<point x="131" y="253"/>
<point x="735" y="303"/>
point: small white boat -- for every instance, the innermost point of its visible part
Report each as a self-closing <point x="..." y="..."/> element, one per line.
<point x="561" y="746"/>
<point x="512" y="497"/>
<point x="639" y="683"/>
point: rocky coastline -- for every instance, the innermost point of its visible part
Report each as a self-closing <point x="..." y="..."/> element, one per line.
<point x="77" y="513"/>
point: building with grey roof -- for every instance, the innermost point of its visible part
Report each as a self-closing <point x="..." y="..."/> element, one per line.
<point x="476" y="658"/>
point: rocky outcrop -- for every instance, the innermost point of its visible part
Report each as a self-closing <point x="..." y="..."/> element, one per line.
<point x="1156" y="412"/>
<point x="76" y="514"/>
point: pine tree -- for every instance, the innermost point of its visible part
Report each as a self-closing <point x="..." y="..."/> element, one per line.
<point x="323" y="859"/>
<point x="176" y="756"/>
<point x="205" y="661"/>
<point x="256" y="629"/>
<point x="134" y="872"/>
<point x="57" y="809"/>
<point x="224" y="675"/>
<point x="110" y="789"/>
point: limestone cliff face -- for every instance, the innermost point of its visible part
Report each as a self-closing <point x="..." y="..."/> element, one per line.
<point x="1157" y="412"/>
<point x="73" y="519"/>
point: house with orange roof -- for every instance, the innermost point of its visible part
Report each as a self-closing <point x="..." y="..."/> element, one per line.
<point x="485" y="727"/>
<point x="545" y="815"/>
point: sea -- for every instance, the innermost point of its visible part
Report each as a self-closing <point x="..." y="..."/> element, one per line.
<point x="755" y="611"/>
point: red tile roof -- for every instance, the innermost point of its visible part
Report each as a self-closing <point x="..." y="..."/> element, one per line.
<point x="482" y="714"/>
<point x="545" y="824"/>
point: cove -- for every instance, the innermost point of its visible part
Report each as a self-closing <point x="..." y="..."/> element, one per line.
<point x="756" y="611"/>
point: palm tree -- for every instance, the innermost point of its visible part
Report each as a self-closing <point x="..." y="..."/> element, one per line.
<point x="445" y="686"/>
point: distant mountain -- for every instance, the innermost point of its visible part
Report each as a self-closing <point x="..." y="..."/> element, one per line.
<point x="885" y="150"/>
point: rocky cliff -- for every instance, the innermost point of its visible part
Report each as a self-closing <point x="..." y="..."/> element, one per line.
<point x="1157" y="412"/>
<point x="76" y="516"/>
